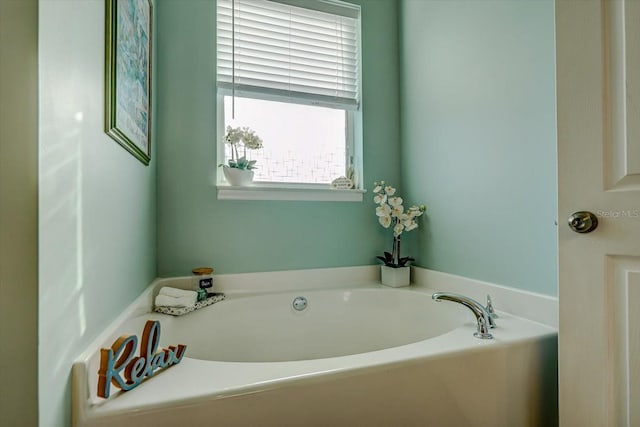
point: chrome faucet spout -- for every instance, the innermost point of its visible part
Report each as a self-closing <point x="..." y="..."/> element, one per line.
<point x="482" y="316"/>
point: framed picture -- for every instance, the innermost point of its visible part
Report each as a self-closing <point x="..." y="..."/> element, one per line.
<point x="128" y="75"/>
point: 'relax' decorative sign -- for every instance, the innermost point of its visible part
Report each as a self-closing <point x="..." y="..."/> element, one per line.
<point x="120" y="367"/>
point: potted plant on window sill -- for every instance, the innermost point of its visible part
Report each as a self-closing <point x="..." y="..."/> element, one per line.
<point x="239" y="170"/>
<point x="390" y="211"/>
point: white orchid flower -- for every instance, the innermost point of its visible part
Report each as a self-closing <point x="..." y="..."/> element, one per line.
<point x="385" y="221"/>
<point x="380" y="199"/>
<point x="377" y="189"/>
<point x="416" y="211"/>
<point x="397" y="229"/>
<point x="389" y="190"/>
<point x="395" y="201"/>
<point x="396" y="211"/>
<point x="410" y="225"/>
<point x="383" y="210"/>
<point x="422" y="208"/>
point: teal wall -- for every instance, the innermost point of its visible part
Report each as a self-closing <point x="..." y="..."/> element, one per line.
<point x="245" y="236"/>
<point x="97" y="203"/>
<point x="478" y="137"/>
<point x="477" y="125"/>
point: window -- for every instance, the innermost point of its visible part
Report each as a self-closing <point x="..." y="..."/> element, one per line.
<point x="290" y="71"/>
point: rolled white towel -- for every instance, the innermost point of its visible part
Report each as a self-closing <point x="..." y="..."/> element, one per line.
<point x="168" y="301"/>
<point x="176" y="293"/>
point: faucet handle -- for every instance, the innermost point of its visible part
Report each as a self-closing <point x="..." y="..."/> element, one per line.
<point x="490" y="309"/>
<point x="492" y="314"/>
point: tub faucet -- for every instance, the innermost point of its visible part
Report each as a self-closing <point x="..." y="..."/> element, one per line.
<point x="482" y="316"/>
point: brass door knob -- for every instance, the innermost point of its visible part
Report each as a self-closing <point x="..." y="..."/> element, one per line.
<point x="583" y="222"/>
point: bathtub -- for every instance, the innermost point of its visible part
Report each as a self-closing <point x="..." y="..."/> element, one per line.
<point x="354" y="356"/>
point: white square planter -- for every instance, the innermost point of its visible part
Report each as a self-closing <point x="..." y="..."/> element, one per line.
<point x="395" y="277"/>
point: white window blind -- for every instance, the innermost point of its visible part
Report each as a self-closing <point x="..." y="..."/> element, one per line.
<point x="278" y="49"/>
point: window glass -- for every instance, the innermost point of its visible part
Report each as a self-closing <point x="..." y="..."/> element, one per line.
<point x="301" y="143"/>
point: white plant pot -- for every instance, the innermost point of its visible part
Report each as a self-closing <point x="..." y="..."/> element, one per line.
<point x="395" y="277"/>
<point x="238" y="177"/>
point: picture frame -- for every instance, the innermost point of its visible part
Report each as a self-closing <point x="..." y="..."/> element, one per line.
<point x="128" y="28"/>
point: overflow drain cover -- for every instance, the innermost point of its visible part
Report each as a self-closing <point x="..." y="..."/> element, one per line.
<point x="299" y="303"/>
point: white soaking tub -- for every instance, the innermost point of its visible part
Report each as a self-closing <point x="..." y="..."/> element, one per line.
<point x="334" y="323"/>
<point x="362" y="356"/>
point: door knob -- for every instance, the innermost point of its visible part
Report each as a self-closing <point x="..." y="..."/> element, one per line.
<point x="583" y="222"/>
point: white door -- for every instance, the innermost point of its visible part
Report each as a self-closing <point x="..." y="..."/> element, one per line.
<point x="598" y="92"/>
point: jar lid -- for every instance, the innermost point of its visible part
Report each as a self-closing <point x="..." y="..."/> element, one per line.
<point x="200" y="271"/>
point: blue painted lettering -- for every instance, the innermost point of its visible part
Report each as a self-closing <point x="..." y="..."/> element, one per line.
<point x="119" y="367"/>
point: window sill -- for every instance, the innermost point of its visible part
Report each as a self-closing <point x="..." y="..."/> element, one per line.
<point x="290" y="192"/>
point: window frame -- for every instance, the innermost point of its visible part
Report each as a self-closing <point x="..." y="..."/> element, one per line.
<point x="262" y="190"/>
